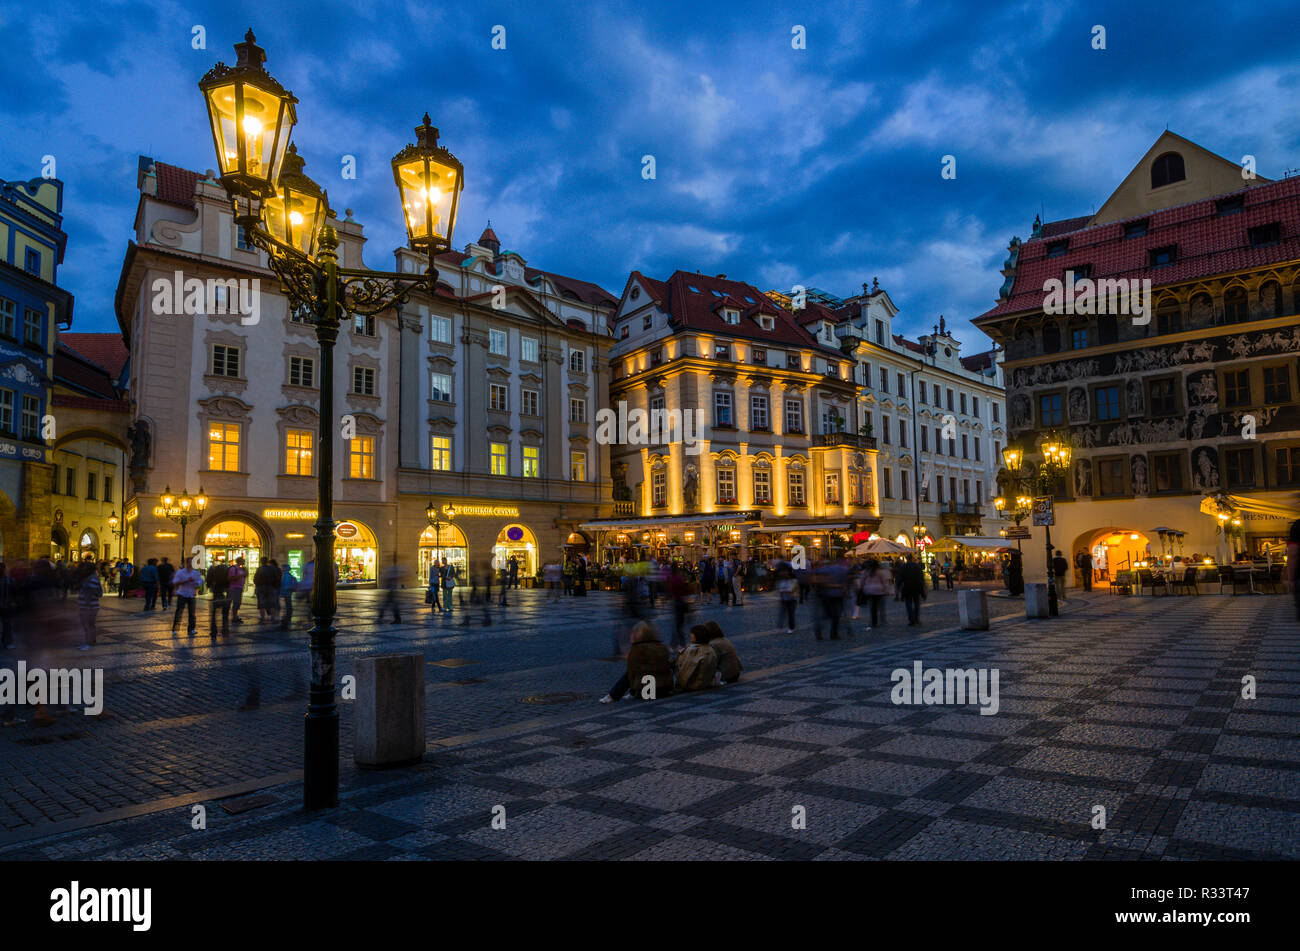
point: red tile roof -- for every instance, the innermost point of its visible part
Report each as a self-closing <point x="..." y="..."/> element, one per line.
<point x="1056" y="228"/>
<point x="979" y="361"/>
<point x="692" y="303"/>
<point x="74" y="372"/>
<point x="175" y="184"/>
<point x="1207" y="245"/>
<point x="107" y="351"/>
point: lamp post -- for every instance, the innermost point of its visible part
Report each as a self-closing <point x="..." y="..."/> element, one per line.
<point x="1056" y="461"/>
<point x="182" y="510"/>
<point x="118" y="533"/>
<point x="431" y="513"/>
<point x="286" y="214"/>
<point x="1023" y="506"/>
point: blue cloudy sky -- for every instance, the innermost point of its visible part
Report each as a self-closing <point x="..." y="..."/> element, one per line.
<point x="774" y="165"/>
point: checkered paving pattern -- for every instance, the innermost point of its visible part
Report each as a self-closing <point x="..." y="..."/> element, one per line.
<point x="1134" y="706"/>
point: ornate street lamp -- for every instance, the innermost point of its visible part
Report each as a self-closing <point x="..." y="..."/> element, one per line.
<point x="118" y="533"/>
<point x="182" y="510"/>
<point x="431" y="513"/>
<point x="286" y="214"/>
<point x="1056" y="462"/>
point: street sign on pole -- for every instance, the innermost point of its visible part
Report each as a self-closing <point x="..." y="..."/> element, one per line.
<point x="1018" y="531"/>
<point x="1044" y="511"/>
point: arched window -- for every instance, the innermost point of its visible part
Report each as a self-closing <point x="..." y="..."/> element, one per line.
<point x="1234" y="305"/>
<point x="1169" y="317"/>
<point x="1167" y="169"/>
<point x="1051" y="338"/>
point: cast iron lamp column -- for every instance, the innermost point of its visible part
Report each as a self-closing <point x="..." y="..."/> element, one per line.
<point x="285" y="214"/>
<point x="118" y="533"/>
<point x="182" y="511"/>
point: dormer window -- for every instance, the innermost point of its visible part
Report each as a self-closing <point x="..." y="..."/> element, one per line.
<point x="647" y="322"/>
<point x="1058" y="248"/>
<point x="765" y="321"/>
<point x="1136" y="229"/>
<point x="758" y="356"/>
<point x="1081" y="272"/>
<point x="1263" y="235"/>
<point x="1229" y="206"/>
<point x="731" y="316"/>
<point x="1163" y="257"/>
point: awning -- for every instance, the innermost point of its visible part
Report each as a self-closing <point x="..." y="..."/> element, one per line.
<point x="1211" y="505"/>
<point x="645" y="524"/>
<point x="801" y="529"/>
<point x="953" y="542"/>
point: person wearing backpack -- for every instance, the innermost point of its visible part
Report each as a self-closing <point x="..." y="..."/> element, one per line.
<point x="696" y="665"/>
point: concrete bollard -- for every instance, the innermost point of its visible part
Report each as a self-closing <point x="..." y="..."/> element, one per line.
<point x="389" y="710"/>
<point x="973" y="610"/>
<point x="1036" y="599"/>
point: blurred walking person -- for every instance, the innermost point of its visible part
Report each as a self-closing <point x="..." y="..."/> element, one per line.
<point x="185" y="583"/>
<point x="238" y="577"/>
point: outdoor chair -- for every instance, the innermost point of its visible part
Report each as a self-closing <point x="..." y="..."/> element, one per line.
<point x="1230" y="576"/>
<point x="1146" y="579"/>
<point x="1187" y="583"/>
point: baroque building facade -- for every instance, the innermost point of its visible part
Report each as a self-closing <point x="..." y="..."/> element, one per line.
<point x="1179" y="414"/>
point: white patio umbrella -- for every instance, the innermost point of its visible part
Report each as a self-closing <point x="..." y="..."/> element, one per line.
<point x="881" y="546"/>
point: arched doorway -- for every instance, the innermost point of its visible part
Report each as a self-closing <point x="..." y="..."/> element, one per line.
<point x="449" y="543"/>
<point x="1113" y="550"/>
<point x="88" y="544"/>
<point x="58" y="543"/>
<point x="354" y="552"/>
<point x="231" y="539"/>
<point x="516" y="541"/>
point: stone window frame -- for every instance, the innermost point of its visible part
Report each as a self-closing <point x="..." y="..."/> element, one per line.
<point x="1124" y="473"/>
<point x="300" y="417"/>
<point x="225" y="409"/>
<point x="367" y="425"/>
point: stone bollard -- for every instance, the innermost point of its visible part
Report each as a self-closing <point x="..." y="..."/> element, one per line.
<point x="389" y="710"/>
<point x="1036" y="599"/>
<point x="973" y="610"/>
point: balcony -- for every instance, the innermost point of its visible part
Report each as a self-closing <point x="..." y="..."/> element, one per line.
<point x="843" y="441"/>
<point x="963" y="508"/>
<point x="623" y="509"/>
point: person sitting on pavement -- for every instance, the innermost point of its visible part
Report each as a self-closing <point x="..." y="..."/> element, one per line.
<point x="696" y="665"/>
<point x="729" y="665"/>
<point x="647" y="657"/>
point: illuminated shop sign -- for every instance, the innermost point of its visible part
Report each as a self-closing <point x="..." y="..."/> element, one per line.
<point x="281" y="515"/>
<point x="488" y="511"/>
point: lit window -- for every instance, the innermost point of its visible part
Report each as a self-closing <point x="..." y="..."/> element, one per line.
<point x="440" y="453"/>
<point x="223" y="447"/>
<point x="758" y="417"/>
<point x="722" y="410"/>
<point x="499" y="343"/>
<point x="727" y="484"/>
<point x="833" y="487"/>
<point x="363" y="324"/>
<point x="762" y="486"/>
<point x="361" y="457"/>
<point x="92" y="486"/>
<point x="532" y="462"/>
<point x="298" y="445"/>
<point x="578" y="466"/>
<point x="31" y="419"/>
<point x="796" y="486"/>
<point x="499" y="458"/>
<point x="659" y="487"/>
<point x="793" y="416"/>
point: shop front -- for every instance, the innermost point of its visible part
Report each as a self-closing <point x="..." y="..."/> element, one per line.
<point x="447" y="543"/>
<point x="231" y="539"/>
<point x="355" y="553"/>
<point x="518" y="542"/>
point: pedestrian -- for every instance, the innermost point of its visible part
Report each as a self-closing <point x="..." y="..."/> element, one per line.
<point x="912" y="584"/>
<point x="266" y="589"/>
<point x="934" y="572"/>
<point x="238" y="576"/>
<point x="788" y="590"/>
<point x="124" y="571"/>
<point x="185" y="582"/>
<point x="165" y="571"/>
<point x="1015" y="575"/>
<point x="448" y="585"/>
<point x="149" y="581"/>
<point x="875" y="584"/>
<point x="804" y="577"/>
<point x="1083" y="561"/>
<point x="708" y="579"/>
<point x="1060" y="568"/>
<point x="724" y="581"/>
<point x="729" y="665"/>
<point x="288" y="586"/>
<point x="218" y="584"/>
<point x="697" y="665"/>
<point x="513" y="572"/>
<point x="961" y="568"/>
<point x="89" y="591"/>
<point x="737" y="583"/>
<point x="831" y="578"/>
<point x="554" y="577"/>
<point x="433" y="595"/>
<point x="392" y="580"/>
<point x="677" y="591"/>
<point x="947" y="573"/>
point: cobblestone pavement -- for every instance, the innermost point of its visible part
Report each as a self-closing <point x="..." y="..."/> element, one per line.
<point x="177" y="731"/>
<point x="1133" y="705"/>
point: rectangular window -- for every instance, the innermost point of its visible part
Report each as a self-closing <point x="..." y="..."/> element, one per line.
<point x="31" y="419"/>
<point x="886" y="431"/>
<point x="975" y="405"/>
<point x="298" y="447"/>
<point x="241" y="239"/>
<point x="936" y="395"/>
<point x="498" y="397"/>
<point x="938" y="441"/>
<point x="1058" y="248"/>
<point x="832" y="488"/>
<point x="1262" y="236"/>
<point x="884" y="380"/>
<point x="69" y="482"/>
<point x="866" y="375"/>
<point x="952" y="489"/>
<point x="658" y="487"/>
<point x="500" y="459"/>
<point x="528" y="349"/>
<point x="886" y="483"/>
<point x="225" y="360"/>
<point x="578" y="361"/>
<point x="1239" y="468"/>
<point x="302" y="371"/>
<point x="108" y="488"/>
<point x="363" y="324"/>
<point x="1050" y="412"/>
<point x="963" y="404"/>
<point x="440" y="453"/>
<point x="577" y="410"/>
<point x="529" y="402"/>
<point x="722" y="410"/>
<point x="577" y="466"/>
<point x="1168" y="471"/>
<point x="794" y="416"/>
<point x="1288" y="466"/>
<point x="1107" y="402"/>
<point x="32" y="324"/>
<point x="361" y="457"/>
<point x="1236" y="388"/>
<point x="995" y="413"/>
<point x="301" y="315"/>
<point x="920" y="390"/>
<point x="902" y="388"/>
<point x="762" y="486"/>
<point x="902" y="433"/>
<point x="1078" y="338"/>
<point x="1110" y="477"/>
<point x="223" y="447"/>
<point x="1160" y="398"/>
<point x="8" y="317"/>
<point x="758" y="357"/>
<point x="1136" y="229"/>
<point x="727" y="484"/>
<point x="950" y="401"/>
<point x="965" y="451"/>
<point x="33" y="263"/>
<point x="722" y="351"/>
<point x="905" y="483"/>
<point x="794" y="481"/>
<point x="793" y="361"/>
<point x="758" y="415"/>
<point x="880" y="332"/>
<point x="499" y="343"/>
<point x="977" y="449"/>
<point x="656" y="404"/>
<point x="92" y="486"/>
<point x="1162" y="257"/>
<point x="440" y="386"/>
<point x="440" y="329"/>
<point x="532" y="462"/>
<point x="925" y="439"/>
<point x="363" y="381"/>
<point x="1277" y="384"/>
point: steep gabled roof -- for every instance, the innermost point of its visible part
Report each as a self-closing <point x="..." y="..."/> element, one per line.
<point x="104" y="350"/>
